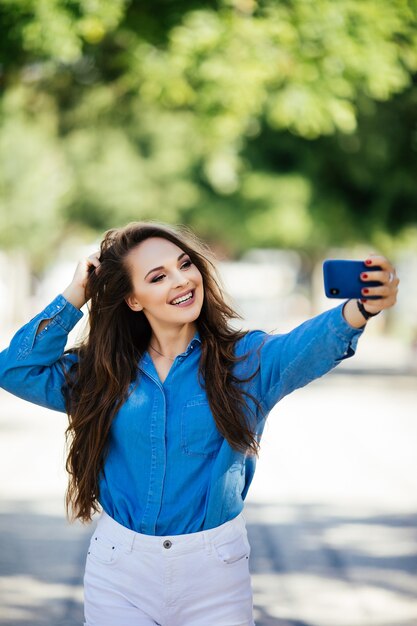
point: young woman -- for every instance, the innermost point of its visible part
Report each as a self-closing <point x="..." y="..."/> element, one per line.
<point x="167" y="404"/>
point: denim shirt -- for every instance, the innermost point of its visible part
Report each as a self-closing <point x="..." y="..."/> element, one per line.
<point x="169" y="471"/>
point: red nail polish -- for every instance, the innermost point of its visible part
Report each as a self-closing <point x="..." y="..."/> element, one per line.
<point x="368" y="262"/>
<point x="365" y="290"/>
<point x="363" y="300"/>
<point x="364" y="275"/>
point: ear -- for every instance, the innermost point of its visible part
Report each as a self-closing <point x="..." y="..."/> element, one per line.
<point x="133" y="303"/>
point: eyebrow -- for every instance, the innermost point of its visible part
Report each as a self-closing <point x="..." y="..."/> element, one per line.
<point x="161" y="267"/>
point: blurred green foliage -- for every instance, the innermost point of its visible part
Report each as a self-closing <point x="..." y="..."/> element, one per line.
<point x="287" y="123"/>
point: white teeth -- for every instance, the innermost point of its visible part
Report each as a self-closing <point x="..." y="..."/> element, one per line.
<point x="188" y="296"/>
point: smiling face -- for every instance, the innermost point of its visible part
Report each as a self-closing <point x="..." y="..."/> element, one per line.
<point x="161" y="273"/>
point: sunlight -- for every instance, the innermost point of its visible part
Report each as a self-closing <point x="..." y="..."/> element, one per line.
<point x="323" y="601"/>
<point x="24" y="597"/>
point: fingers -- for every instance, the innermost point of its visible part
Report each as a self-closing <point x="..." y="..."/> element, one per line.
<point x="384" y="291"/>
<point x="381" y="261"/>
<point x="388" y="289"/>
<point x="93" y="261"/>
<point x="379" y="276"/>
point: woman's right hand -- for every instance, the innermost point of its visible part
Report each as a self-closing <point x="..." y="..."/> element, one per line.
<point x="75" y="292"/>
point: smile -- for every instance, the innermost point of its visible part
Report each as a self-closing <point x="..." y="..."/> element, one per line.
<point x="185" y="300"/>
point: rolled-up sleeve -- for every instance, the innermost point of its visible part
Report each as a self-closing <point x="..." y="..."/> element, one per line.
<point x="33" y="365"/>
<point x="291" y="360"/>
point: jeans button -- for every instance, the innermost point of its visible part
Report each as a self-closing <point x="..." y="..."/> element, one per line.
<point x="167" y="544"/>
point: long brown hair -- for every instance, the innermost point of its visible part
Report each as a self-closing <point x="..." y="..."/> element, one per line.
<point x="97" y="383"/>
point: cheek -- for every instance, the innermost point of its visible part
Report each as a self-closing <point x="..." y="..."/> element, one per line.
<point x="154" y="298"/>
<point x="197" y="277"/>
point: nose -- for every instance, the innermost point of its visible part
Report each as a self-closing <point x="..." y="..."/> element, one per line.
<point x="180" y="279"/>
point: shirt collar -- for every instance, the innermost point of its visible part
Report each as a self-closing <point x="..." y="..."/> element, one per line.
<point x="196" y="338"/>
<point x="194" y="342"/>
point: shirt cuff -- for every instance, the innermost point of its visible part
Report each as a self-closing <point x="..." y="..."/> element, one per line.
<point x="63" y="313"/>
<point x="349" y="334"/>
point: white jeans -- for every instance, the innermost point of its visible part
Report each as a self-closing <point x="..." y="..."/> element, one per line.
<point x="199" y="579"/>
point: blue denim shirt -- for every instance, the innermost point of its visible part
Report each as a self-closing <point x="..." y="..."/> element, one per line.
<point x="169" y="471"/>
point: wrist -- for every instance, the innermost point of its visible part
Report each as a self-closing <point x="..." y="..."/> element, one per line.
<point x="75" y="295"/>
<point x="352" y="314"/>
<point x="364" y="312"/>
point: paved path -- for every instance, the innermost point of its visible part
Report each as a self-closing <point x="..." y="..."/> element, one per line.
<point x="332" y="511"/>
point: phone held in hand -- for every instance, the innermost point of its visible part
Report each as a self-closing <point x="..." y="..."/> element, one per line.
<point x="342" y="279"/>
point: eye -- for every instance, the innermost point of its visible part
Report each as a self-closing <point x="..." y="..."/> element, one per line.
<point x="185" y="265"/>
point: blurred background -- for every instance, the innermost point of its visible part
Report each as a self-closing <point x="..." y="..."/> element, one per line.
<point x="282" y="133"/>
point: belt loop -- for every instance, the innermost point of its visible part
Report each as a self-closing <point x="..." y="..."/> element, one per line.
<point x="207" y="542"/>
<point x="131" y="542"/>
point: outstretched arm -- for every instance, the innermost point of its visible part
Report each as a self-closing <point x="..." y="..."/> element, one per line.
<point x="292" y="360"/>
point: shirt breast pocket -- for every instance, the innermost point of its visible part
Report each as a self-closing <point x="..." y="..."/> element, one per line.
<point x="199" y="434"/>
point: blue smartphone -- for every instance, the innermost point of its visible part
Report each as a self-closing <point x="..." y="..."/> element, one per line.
<point x="342" y="279"/>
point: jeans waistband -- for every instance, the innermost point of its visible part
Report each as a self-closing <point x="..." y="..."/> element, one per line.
<point x="133" y="540"/>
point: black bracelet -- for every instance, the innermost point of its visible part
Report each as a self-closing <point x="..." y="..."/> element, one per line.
<point x="364" y="312"/>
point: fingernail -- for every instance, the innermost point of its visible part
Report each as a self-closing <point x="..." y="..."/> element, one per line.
<point x="363" y="300"/>
<point x="365" y="290"/>
<point x="368" y="262"/>
<point x="364" y="275"/>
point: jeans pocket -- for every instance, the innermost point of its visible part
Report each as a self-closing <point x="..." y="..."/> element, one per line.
<point x="233" y="549"/>
<point x="103" y="550"/>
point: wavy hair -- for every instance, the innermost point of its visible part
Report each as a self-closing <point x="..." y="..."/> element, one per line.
<point x="98" y="381"/>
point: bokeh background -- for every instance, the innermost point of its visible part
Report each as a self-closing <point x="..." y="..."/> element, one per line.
<point x="283" y="133"/>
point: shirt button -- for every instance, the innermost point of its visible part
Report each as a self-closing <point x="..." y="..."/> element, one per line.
<point x="167" y="544"/>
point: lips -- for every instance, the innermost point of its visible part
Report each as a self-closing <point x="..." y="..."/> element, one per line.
<point x="184" y="293"/>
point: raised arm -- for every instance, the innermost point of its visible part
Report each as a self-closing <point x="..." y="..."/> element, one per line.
<point x="32" y="366"/>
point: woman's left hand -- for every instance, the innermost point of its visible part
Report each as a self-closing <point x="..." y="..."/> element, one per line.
<point x="388" y="289"/>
